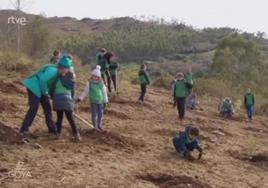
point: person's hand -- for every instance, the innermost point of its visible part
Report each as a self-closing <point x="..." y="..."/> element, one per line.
<point x="174" y="104"/>
<point x="188" y="156"/>
<point x="47" y="96"/>
<point x="200" y="153"/>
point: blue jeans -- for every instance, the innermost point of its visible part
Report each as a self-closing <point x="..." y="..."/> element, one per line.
<point x="250" y="111"/>
<point x="97" y="114"/>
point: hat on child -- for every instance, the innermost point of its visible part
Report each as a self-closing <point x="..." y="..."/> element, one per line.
<point x="180" y="75"/>
<point x="65" y="62"/>
<point x="96" y="71"/>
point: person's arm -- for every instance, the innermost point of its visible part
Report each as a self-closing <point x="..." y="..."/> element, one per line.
<point x="105" y="100"/>
<point x="253" y="99"/>
<point x="199" y="148"/>
<point x="84" y="94"/>
<point x="67" y="82"/>
<point x="147" y="77"/>
<point x="245" y="100"/>
<point x="44" y="78"/>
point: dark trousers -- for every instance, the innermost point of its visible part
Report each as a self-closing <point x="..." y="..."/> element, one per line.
<point x="34" y="102"/>
<point x="181" y="106"/>
<point x="113" y="77"/>
<point x="70" y="118"/>
<point x="107" y="74"/>
<point x="143" y="92"/>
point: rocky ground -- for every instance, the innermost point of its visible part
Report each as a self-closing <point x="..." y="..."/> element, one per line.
<point x="135" y="150"/>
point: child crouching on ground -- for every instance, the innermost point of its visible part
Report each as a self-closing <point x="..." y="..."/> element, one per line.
<point x="63" y="92"/>
<point x="186" y="142"/>
<point x="97" y="93"/>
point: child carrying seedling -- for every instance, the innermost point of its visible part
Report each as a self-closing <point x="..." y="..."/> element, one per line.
<point x="63" y="92"/>
<point x="144" y="81"/>
<point x="187" y="141"/>
<point x="97" y="93"/>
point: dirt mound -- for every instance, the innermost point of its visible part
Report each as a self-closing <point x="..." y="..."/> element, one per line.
<point x="117" y="114"/>
<point x="118" y="100"/>
<point x="256" y="130"/>
<point x="165" y="132"/>
<point x="111" y="112"/>
<point x="8" y="135"/>
<point x="6" y="106"/>
<point x="260" y="160"/>
<point x="12" y="87"/>
<point x="114" y="140"/>
<point x="238" y="155"/>
<point x="168" y="181"/>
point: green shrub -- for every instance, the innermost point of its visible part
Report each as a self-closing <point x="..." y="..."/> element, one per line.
<point x="10" y="61"/>
<point x="213" y="87"/>
<point x="164" y="80"/>
<point x="129" y="73"/>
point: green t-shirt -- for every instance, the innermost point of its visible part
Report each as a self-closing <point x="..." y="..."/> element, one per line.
<point x="180" y="88"/>
<point x="60" y="89"/>
<point x="96" y="94"/>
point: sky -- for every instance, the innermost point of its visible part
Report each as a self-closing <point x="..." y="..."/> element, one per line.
<point x="247" y="15"/>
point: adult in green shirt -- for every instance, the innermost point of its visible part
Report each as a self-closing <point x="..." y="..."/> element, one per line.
<point x="38" y="86"/>
<point x="101" y="60"/>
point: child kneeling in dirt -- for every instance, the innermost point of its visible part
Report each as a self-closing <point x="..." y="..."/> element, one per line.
<point x="62" y="93"/>
<point x="97" y="94"/>
<point x="186" y="142"/>
<point x="227" y="108"/>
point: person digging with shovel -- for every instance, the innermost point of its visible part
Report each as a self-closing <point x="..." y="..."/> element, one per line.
<point x="38" y="86"/>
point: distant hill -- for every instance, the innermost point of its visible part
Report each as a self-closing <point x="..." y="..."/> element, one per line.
<point x="69" y="25"/>
<point x="132" y="35"/>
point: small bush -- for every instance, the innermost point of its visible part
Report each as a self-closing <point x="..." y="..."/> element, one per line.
<point x="10" y="61"/>
<point x="213" y="87"/>
<point x="164" y="80"/>
<point x="130" y="73"/>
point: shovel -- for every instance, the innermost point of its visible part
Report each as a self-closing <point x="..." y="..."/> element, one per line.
<point x="80" y="118"/>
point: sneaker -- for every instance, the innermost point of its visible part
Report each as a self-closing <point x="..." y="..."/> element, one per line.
<point x="140" y="102"/>
<point x="52" y="131"/>
<point x="97" y="129"/>
<point x="58" y="136"/>
<point x="24" y="134"/>
<point x="101" y="129"/>
<point x="77" y="137"/>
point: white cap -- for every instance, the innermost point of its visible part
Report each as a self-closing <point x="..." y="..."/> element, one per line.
<point x="96" y="71"/>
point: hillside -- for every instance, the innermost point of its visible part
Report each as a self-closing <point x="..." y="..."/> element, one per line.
<point x="131" y="39"/>
<point x="136" y="149"/>
<point x="69" y="25"/>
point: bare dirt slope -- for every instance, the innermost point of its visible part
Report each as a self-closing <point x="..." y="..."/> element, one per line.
<point x="135" y="150"/>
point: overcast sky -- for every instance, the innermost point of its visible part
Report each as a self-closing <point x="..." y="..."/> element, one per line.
<point x="247" y="15"/>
